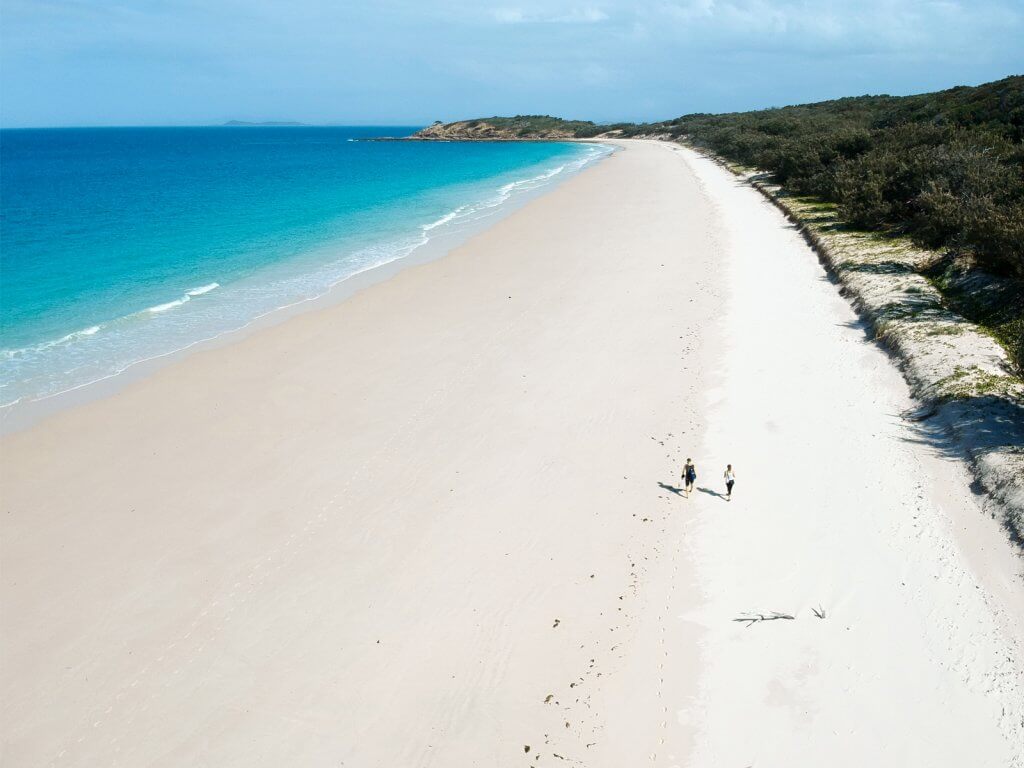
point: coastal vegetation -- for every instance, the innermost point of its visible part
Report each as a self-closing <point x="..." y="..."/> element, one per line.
<point x="944" y="170"/>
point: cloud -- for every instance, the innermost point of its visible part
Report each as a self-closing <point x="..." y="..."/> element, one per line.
<point x="587" y="15"/>
<point x="690" y="9"/>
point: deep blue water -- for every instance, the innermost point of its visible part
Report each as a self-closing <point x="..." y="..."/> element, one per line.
<point x="122" y="244"/>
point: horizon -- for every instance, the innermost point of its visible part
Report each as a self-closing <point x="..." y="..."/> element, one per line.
<point x="225" y="124"/>
<point x="170" y="64"/>
<point x="285" y="122"/>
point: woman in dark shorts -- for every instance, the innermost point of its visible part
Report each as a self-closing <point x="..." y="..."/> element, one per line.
<point x="689" y="476"/>
<point x="730" y="478"/>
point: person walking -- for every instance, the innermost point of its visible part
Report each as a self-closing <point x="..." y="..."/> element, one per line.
<point x="689" y="476"/>
<point x="730" y="478"/>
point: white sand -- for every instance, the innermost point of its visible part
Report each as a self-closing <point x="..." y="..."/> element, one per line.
<point x="347" y="540"/>
<point x="918" y="661"/>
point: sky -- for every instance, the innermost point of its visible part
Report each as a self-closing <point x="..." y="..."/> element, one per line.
<point x="410" y="62"/>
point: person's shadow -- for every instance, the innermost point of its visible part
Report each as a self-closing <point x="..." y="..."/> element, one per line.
<point x="672" y="488"/>
<point x="709" y="492"/>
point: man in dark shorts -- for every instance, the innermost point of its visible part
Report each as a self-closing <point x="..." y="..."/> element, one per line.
<point x="689" y="476"/>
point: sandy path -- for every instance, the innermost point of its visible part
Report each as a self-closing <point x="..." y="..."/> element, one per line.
<point x="384" y="533"/>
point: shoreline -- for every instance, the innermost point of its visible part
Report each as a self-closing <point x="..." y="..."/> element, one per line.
<point x="261" y="477"/>
<point x="245" y="558"/>
<point x="19" y="416"/>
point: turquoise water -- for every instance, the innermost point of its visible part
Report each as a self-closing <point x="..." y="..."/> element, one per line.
<point x="123" y="244"/>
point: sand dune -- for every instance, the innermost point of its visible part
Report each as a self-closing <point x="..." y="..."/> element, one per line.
<point x="437" y="524"/>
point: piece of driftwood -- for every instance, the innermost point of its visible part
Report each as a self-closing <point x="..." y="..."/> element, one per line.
<point x="754" y="618"/>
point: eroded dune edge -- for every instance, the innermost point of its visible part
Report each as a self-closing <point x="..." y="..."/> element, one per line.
<point x="972" y="400"/>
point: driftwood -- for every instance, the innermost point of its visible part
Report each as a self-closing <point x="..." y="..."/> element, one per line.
<point x="754" y="618"/>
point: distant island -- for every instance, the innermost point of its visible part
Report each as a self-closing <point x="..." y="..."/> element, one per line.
<point x="518" y="128"/>
<point x="267" y="124"/>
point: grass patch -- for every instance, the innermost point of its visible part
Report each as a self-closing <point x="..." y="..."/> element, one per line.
<point x="966" y="383"/>
<point x="996" y="306"/>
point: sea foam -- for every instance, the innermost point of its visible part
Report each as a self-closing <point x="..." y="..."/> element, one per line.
<point x="189" y="295"/>
<point x="203" y="289"/>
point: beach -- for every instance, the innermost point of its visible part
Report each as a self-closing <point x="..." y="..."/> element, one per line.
<point x="439" y="523"/>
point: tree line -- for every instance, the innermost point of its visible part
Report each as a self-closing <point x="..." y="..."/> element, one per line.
<point x="946" y="168"/>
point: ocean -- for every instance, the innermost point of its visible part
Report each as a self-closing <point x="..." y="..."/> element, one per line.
<point x="120" y="245"/>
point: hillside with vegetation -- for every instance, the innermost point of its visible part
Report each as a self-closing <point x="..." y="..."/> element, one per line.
<point x="947" y="167"/>
<point x="518" y="128"/>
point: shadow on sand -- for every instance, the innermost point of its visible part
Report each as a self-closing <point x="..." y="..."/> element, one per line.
<point x="992" y="426"/>
<point x="710" y="492"/>
<point x="672" y="488"/>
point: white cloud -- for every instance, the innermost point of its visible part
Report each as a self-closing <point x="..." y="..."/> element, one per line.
<point x="509" y="16"/>
<point x="587" y="15"/>
<point x="582" y="16"/>
<point x="690" y="9"/>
